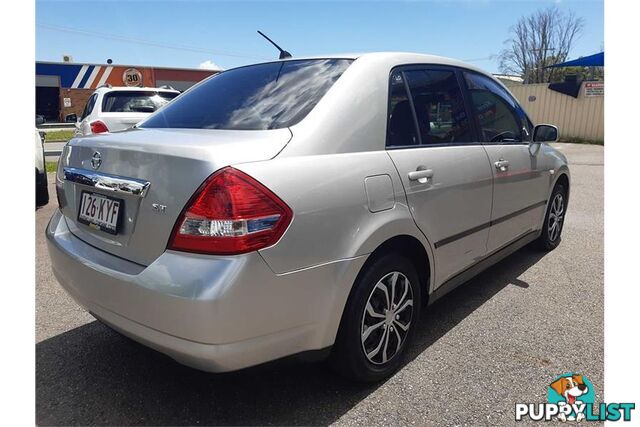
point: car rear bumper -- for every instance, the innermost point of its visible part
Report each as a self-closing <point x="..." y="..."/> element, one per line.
<point x="212" y="313"/>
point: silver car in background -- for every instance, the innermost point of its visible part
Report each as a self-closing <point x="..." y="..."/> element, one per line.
<point x="304" y="205"/>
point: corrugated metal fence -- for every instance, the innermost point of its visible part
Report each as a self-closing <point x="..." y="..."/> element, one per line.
<point x="581" y="117"/>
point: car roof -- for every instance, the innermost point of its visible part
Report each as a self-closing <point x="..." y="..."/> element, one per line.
<point x="131" y="88"/>
<point x="397" y="58"/>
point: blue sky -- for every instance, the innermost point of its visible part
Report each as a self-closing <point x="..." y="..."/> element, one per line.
<point x="467" y="30"/>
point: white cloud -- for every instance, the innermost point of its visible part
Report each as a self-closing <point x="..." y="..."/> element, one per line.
<point x="209" y="65"/>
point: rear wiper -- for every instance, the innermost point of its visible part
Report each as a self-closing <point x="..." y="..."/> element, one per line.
<point x="143" y="109"/>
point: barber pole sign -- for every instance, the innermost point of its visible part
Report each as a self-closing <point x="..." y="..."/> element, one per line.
<point x="91" y="76"/>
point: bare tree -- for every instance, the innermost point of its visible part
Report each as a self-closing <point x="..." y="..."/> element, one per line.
<point x="539" y="40"/>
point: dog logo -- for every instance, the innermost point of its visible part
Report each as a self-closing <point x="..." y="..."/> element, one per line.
<point x="570" y="387"/>
<point x="573" y="390"/>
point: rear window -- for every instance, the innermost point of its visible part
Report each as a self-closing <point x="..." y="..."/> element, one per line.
<point x="257" y="97"/>
<point x="135" y="101"/>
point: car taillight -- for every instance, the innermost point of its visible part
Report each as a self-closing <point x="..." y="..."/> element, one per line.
<point x="231" y="213"/>
<point x="98" y="127"/>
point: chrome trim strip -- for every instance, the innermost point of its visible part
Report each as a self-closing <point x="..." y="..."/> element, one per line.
<point x="491" y="223"/>
<point x="103" y="181"/>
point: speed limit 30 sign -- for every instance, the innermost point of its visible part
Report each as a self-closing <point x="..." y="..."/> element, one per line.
<point x="132" y="77"/>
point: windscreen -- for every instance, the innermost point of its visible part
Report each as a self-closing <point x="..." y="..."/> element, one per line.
<point x="257" y="97"/>
<point x="135" y="101"/>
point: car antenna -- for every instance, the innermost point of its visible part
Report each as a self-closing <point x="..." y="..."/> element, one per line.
<point x="283" y="53"/>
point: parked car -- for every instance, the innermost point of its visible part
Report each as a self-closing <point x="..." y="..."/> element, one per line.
<point x="42" y="191"/>
<point x="111" y="109"/>
<point x="309" y="206"/>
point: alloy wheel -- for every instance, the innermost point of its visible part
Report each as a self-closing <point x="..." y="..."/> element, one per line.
<point x="387" y="318"/>
<point x="556" y="216"/>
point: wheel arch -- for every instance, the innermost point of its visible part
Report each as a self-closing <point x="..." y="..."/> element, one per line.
<point x="413" y="249"/>
<point x="407" y="245"/>
<point x="563" y="178"/>
<point x="391" y="231"/>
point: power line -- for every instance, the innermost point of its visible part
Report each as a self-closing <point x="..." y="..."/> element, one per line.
<point x="141" y="41"/>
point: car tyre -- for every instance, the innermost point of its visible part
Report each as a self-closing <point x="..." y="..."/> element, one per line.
<point x="42" y="190"/>
<point x="373" y="338"/>
<point x="551" y="233"/>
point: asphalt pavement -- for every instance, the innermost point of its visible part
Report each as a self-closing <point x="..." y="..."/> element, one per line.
<point x="500" y="339"/>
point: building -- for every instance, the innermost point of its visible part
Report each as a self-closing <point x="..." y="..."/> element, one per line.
<point x="62" y="88"/>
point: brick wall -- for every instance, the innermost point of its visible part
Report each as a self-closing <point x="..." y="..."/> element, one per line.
<point x="78" y="98"/>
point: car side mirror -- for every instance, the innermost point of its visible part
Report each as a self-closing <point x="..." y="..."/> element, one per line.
<point x="39" y="120"/>
<point x="71" y="118"/>
<point x="545" y="133"/>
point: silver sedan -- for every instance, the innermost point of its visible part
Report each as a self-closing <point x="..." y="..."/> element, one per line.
<point x="304" y="206"/>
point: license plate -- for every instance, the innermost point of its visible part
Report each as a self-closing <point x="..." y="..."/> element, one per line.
<point x="100" y="212"/>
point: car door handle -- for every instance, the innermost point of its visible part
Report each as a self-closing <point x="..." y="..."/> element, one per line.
<point x="421" y="174"/>
<point x="502" y="165"/>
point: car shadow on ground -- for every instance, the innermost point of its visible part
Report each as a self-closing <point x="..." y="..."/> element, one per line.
<point x="92" y="375"/>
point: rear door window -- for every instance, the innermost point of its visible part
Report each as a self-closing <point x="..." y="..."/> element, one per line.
<point x="426" y="107"/>
<point x="274" y="95"/>
<point x="439" y="106"/>
<point x="500" y="117"/>
<point x="135" y="101"/>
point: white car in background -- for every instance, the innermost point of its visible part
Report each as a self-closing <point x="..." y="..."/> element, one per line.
<point x="110" y="109"/>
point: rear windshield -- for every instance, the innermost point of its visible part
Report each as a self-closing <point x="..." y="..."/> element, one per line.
<point x="258" y="97"/>
<point x="130" y="101"/>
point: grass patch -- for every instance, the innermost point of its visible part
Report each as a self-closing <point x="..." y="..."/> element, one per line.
<point x="58" y="135"/>
<point x="52" y="166"/>
<point x="582" y="141"/>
